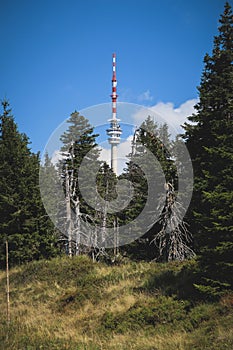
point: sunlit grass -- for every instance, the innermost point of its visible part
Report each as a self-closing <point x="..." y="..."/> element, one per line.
<point x="75" y="304"/>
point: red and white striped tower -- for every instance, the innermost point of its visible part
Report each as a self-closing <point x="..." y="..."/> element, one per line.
<point x="114" y="86"/>
<point x="114" y="132"/>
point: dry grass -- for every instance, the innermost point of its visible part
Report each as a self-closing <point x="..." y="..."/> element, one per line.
<point x="98" y="307"/>
<point x="173" y="341"/>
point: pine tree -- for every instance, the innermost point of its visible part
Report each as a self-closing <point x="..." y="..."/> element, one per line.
<point x="156" y="139"/>
<point x="23" y="220"/>
<point x="210" y="142"/>
<point x="52" y="197"/>
<point x="106" y="187"/>
<point x="78" y="144"/>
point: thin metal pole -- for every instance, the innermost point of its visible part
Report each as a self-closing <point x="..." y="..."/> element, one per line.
<point x="7" y="284"/>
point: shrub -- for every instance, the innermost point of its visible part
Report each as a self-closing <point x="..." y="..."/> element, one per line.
<point x="148" y="313"/>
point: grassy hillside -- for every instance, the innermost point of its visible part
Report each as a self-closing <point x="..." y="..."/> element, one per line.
<point x="75" y="304"/>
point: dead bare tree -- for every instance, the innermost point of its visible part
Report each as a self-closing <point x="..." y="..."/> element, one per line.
<point x="173" y="238"/>
<point x="72" y="207"/>
<point x="116" y="238"/>
<point x="68" y="212"/>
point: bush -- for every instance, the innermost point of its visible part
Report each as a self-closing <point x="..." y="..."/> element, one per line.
<point x="178" y="282"/>
<point x="146" y="313"/>
<point x="62" y="270"/>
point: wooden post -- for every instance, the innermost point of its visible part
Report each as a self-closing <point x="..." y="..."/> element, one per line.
<point x="7" y="285"/>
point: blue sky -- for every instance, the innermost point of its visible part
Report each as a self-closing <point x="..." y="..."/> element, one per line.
<point x="56" y="56"/>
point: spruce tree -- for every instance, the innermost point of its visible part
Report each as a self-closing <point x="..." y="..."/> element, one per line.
<point x="78" y="144"/>
<point x="156" y="139"/>
<point x="52" y="197"/>
<point x="209" y="139"/>
<point x="106" y="187"/>
<point x="23" y="220"/>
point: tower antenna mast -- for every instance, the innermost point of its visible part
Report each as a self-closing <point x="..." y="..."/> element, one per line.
<point x="114" y="132"/>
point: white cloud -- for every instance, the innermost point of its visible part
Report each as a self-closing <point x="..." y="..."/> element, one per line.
<point x="166" y="112"/>
<point x="125" y="94"/>
<point x="56" y="156"/>
<point x="145" y="96"/>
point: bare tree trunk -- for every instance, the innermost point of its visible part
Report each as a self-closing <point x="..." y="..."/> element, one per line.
<point x="116" y="237"/>
<point x="104" y="223"/>
<point x="68" y="213"/>
<point x="103" y="238"/>
<point x="77" y="226"/>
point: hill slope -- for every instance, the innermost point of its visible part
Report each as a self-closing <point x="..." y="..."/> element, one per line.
<point x="75" y="304"/>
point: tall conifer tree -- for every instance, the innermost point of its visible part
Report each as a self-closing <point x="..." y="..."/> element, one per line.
<point x="78" y="143"/>
<point x="23" y="220"/>
<point x="156" y="139"/>
<point x="210" y="142"/>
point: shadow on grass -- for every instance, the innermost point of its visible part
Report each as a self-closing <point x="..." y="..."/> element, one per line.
<point x="179" y="283"/>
